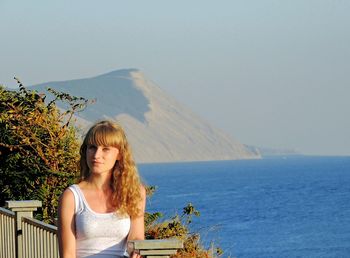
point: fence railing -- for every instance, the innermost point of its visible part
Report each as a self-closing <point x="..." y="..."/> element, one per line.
<point x="39" y="239"/>
<point x="21" y="236"/>
<point x="7" y="234"/>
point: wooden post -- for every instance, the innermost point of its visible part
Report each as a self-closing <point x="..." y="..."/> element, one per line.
<point x="21" y="209"/>
<point x="155" y="248"/>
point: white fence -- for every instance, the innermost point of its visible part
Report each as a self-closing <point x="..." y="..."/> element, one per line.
<point x="21" y="236"/>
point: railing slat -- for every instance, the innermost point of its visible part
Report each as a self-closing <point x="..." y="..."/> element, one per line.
<point x="32" y="239"/>
<point x="13" y="228"/>
<point x="44" y="242"/>
<point x="25" y="240"/>
<point x="6" y="243"/>
<point x="2" y="240"/>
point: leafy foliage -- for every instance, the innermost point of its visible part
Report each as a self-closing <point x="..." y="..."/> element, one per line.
<point x="178" y="227"/>
<point x="38" y="147"/>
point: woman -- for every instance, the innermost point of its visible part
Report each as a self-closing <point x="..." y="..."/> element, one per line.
<point x="106" y="208"/>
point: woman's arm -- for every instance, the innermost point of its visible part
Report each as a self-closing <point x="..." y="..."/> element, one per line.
<point x="137" y="229"/>
<point x="66" y="225"/>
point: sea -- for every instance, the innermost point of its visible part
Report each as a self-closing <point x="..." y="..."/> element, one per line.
<point x="285" y="206"/>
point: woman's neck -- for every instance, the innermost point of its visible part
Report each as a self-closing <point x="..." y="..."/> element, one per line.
<point x="100" y="182"/>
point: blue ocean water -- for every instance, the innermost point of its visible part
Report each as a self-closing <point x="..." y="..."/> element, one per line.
<point x="277" y="207"/>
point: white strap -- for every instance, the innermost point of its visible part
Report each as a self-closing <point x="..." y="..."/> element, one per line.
<point x="77" y="199"/>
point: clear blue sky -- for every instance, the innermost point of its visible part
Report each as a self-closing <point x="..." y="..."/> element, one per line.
<point x="269" y="73"/>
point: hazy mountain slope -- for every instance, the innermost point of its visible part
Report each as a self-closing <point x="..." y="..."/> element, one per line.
<point x="271" y="152"/>
<point x="158" y="128"/>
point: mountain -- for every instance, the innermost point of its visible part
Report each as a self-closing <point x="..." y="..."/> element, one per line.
<point x="272" y="152"/>
<point x="159" y="129"/>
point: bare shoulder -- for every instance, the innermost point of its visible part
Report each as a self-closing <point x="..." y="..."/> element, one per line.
<point x="67" y="198"/>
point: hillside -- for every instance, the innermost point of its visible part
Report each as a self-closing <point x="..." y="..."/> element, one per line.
<point x="274" y="152"/>
<point x="158" y="127"/>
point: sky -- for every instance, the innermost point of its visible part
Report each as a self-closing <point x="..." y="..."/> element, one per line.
<point x="269" y="73"/>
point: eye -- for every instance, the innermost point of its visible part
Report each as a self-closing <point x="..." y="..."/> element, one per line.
<point x="91" y="147"/>
<point x="106" y="149"/>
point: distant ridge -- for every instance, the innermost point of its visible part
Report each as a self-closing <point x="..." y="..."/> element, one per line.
<point x="272" y="152"/>
<point x="159" y="129"/>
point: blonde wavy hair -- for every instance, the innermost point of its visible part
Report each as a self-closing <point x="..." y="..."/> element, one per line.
<point x="126" y="182"/>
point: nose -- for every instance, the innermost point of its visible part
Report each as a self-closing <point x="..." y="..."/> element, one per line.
<point x="98" y="152"/>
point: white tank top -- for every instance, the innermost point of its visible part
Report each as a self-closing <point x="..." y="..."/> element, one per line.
<point x="98" y="235"/>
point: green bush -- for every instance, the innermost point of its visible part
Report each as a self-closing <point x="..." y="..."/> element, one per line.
<point x="38" y="147"/>
<point x="178" y="227"/>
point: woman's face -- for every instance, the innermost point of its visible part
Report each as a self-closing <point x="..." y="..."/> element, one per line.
<point x="101" y="159"/>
